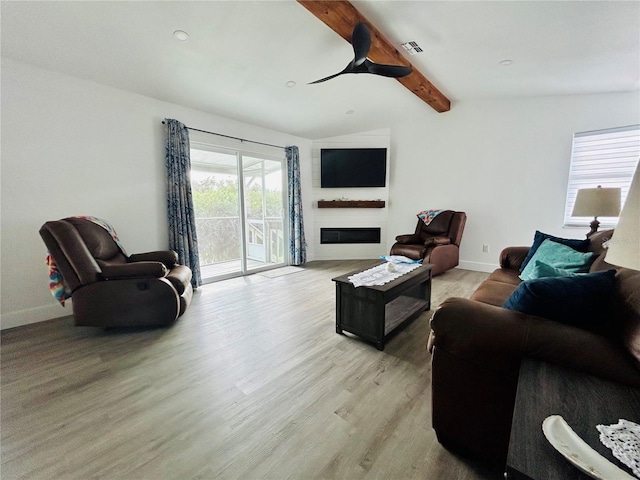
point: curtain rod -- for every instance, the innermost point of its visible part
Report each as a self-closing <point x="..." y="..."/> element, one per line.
<point x="229" y="136"/>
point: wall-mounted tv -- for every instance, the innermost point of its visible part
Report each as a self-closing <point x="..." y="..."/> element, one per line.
<point x="353" y="167"/>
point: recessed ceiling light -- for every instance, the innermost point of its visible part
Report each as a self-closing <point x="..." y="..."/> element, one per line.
<point x="290" y="84"/>
<point x="181" y="35"/>
<point x="350" y="112"/>
<point x="505" y="63"/>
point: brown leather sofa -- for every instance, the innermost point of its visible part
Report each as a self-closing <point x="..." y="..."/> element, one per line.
<point x="111" y="289"/>
<point x="477" y="347"/>
<point x="437" y="243"/>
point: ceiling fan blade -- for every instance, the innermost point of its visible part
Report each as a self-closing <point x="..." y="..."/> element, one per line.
<point x="327" y="78"/>
<point x="361" y="42"/>
<point x="395" y="71"/>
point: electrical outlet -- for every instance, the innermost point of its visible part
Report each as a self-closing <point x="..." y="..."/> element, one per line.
<point x="485" y="248"/>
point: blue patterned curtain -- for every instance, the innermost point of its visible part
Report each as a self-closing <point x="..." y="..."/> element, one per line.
<point x="297" y="244"/>
<point x="182" y="220"/>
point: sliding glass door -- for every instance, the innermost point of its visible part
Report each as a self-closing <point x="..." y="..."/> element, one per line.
<point x="263" y="211"/>
<point x="239" y="206"/>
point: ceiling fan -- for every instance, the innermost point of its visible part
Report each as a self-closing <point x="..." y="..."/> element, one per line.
<point x="361" y="42"/>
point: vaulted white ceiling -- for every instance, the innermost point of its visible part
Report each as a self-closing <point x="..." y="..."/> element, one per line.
<point x="240" y="54"/>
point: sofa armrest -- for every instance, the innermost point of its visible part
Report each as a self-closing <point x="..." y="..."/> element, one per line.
<point x="133" y="270"/>
<point x="580" y="350"/>
<point x="497" y="339"/>
<point x="512" y="257"/>
<point x="410" y="238"/>
<point x="180" y="277"/>
<point x="168" y="257"/>
<point x="479" y="333"/>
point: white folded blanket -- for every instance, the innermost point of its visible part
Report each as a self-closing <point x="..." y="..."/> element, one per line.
<point x="381" y="274"/>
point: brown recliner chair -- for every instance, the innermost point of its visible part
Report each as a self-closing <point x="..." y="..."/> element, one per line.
<point x="437" y="243"/>
<point x="110" y="288"/>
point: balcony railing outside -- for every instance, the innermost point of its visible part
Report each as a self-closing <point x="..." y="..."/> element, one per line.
<point x="219" y="239"/>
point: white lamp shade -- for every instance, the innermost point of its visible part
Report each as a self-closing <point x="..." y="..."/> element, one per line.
<point x="624" y="246"/>
<point x="597" y="202"/>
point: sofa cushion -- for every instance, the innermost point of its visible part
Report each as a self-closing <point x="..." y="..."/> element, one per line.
<point x="492" y="292"/>
<point x="560" y="256"/>
<point x="539" y="237"/>
<point x="505" y="275"/>
<point x="578" y="300"/>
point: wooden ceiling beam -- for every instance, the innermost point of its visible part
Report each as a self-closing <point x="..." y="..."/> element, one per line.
<point x="341" y="16"/>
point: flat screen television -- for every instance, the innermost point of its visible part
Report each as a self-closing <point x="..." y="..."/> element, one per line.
<point x="353" y="167"/>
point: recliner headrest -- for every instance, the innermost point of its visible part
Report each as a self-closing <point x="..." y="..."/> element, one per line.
<point x="97" y="239"/>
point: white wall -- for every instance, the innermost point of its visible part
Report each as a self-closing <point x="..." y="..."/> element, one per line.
<point x="504" y="162"/>
<point x="72" y="147"/>
<point x="350" y="217"/>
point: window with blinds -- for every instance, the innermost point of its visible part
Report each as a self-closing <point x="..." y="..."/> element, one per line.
<point x="603" y="157"/>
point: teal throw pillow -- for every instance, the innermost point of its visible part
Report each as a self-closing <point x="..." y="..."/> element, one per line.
<point x="542" y="270"/>
<point x="559" y="256"/>
<point x="578" y="300"/>
<point x="539" y="237"/>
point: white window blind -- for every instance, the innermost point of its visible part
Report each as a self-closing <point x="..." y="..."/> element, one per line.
<point x="603" y="157"/>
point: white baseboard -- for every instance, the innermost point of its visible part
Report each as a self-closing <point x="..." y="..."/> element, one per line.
<point x="478" y="266"/>
<point x="49" y="312"/>
<point x="34" y="315"/>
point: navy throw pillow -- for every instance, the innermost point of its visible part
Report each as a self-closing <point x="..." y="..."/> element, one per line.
<point x="539" y="237"/>
<point x="578" y="300"/>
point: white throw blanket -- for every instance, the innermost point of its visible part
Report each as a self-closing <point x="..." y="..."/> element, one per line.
<point x="381" y="274"/>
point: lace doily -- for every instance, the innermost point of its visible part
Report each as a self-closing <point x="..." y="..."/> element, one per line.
<point x="381" y="274"/>
<point x="623" y="439"/>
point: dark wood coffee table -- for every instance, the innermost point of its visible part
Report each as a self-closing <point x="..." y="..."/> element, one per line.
<point x="373" y="312"/>
<point x="582" y="400"/>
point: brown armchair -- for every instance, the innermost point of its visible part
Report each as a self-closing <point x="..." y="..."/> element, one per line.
<point x="110" y="288"/>
<point x="437" y="243"/>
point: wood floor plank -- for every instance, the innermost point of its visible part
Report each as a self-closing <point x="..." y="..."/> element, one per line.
<point x="252" y="382"/>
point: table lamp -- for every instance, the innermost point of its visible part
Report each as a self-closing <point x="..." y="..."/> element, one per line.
<point x="624" y="246"/>
<point x="597" y="202"/>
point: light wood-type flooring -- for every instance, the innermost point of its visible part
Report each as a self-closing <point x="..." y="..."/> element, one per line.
<point x="251" y="383"/>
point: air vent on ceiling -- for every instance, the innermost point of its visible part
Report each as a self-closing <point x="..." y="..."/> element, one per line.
<point x="412" y="47"/>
